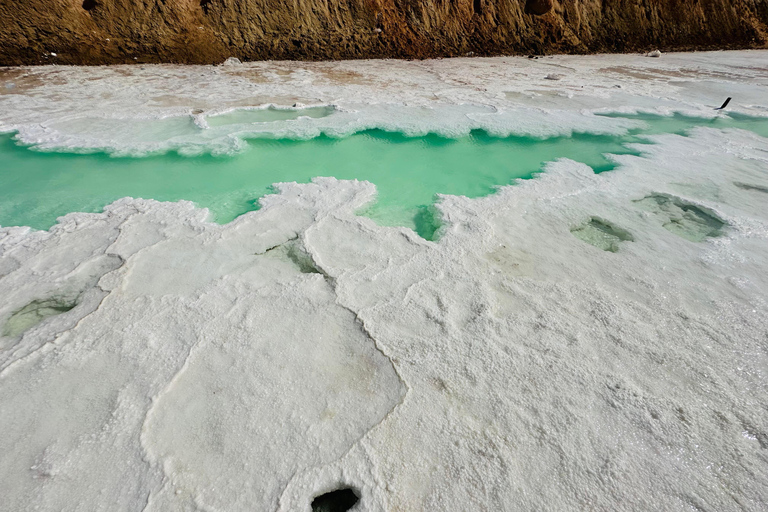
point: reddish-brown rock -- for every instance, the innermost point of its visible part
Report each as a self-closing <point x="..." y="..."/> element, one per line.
<point x="209" y="31"/>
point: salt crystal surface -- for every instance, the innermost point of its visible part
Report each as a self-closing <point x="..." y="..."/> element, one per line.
<point x="302" y="349"/>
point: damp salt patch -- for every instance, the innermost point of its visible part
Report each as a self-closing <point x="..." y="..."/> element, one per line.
<point x="266" y="115"/>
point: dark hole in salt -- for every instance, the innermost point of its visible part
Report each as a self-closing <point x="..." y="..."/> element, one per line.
<point x="477" y="6"/>
<point x="206" y="5"/>
<point x="89" y="5"/>
<point x="339" y="500"/>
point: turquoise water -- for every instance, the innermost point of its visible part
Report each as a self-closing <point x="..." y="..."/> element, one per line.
<point x="37" y="187"/>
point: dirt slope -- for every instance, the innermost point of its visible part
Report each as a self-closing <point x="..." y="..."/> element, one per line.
<point x="209" y="31"/>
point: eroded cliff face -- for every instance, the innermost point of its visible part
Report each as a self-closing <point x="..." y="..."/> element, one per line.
<point x="209" y="31"/>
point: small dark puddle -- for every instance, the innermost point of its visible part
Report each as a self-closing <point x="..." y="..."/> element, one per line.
<point x="297" y="255"/>
<point x="34" y="313"/>
<point x="747" y="186"/>
<point x="602" y="234"/>
<point x="302" y="260"/>
<point x="339" y="500"/>
<point x="682" y="218"/>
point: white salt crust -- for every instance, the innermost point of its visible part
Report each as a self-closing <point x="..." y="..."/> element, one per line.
<point x="301" y="348"/>
<point x="136" y="110"/>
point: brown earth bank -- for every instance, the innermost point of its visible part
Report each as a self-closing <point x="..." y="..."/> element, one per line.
<point x="209" y="31"/>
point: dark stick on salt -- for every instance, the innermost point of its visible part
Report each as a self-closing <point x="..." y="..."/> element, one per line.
<point x="724" y="104"/>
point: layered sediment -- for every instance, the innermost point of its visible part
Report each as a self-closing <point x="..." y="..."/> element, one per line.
<point x="209" y="31"/>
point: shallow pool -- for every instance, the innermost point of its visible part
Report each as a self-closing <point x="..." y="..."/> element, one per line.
<point x="37" y="187"/>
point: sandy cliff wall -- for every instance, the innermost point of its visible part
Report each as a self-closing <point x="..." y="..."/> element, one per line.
<point x="208" y="31"/>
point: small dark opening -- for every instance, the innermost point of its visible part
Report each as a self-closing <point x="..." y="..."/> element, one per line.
<point x="206" y="5"/>
<point x="539" y="7"/>
<point x="477" y="5"/>
<point x="339" y="500"/>
<point x="89" y="5"/>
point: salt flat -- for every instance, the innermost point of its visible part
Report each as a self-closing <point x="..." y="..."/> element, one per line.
<point x="572" y="342"/>
<point x="113" y="107"/>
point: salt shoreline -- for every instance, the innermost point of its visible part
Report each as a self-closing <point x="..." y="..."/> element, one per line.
<point x="127" y="109"/>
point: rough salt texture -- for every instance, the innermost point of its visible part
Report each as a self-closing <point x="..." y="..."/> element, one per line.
<point x="301" y="348"/>
<point x="141" y="109"/>
<point x="210" y="31"/>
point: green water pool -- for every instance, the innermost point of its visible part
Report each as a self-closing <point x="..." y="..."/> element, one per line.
<point x="37" y="187"/>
